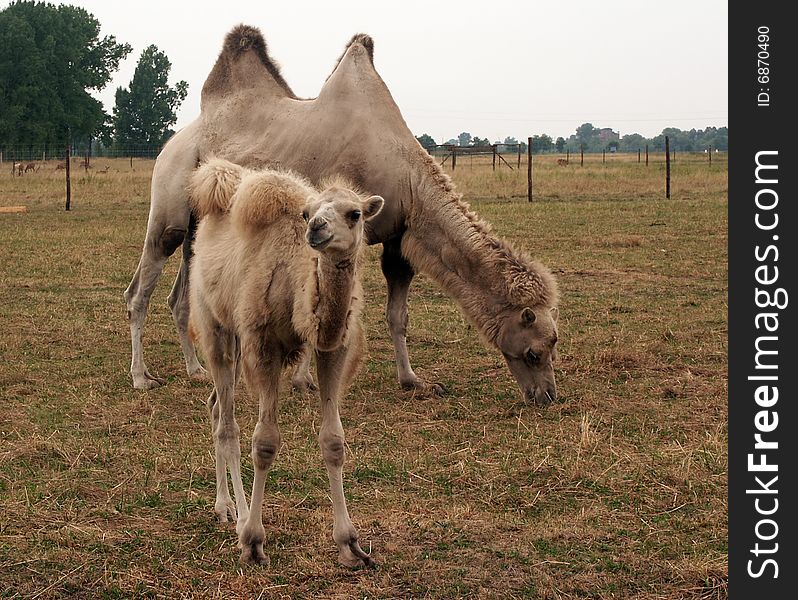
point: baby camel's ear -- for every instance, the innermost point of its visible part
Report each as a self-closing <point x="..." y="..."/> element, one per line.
<point x="372" y="206"/>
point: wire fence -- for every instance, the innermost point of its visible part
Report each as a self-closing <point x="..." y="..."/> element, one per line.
<point x="45" y="152"/>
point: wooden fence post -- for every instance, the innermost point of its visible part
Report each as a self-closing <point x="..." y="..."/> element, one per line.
<point x="603" y="156"/>
<point x="529" y="170"/>
<point x="710" y="155"/>
<point x="638" y="155"/>
<point x="646" y="154"/>
<point x="493" y="147"/>
<point x="667" y="168"/>
<point x="454" y="158"/>
<point x="519" y="157"/>
<point x="582" y="155"/>
<point x="68" y="182"/>
<point x="567" y="156"/>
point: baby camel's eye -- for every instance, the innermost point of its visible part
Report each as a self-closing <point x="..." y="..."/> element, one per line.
<point x="354" y="215"/>
<point x="305" y="215"/>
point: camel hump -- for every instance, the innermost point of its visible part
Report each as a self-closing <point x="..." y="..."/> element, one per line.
<point x="265" y="196"/>
<point x="244" y="62"/>
<point x="364" y="40"/>
<point x="212" y="186"/>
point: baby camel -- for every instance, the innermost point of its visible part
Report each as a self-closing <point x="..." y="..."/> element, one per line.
<point x="266" y="284"/>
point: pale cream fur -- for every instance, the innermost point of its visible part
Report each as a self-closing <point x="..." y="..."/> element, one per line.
<point x="260" y="295"/>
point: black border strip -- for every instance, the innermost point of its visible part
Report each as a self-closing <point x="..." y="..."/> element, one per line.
<point x="762" y="128"/>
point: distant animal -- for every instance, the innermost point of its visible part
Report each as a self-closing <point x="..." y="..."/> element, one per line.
<point x="251" y="117"/>
<point x="60" y="167"/>
<point x="105" y="169"/>
<point x="562" y="162"/>
<point x="19" y="167"/>
<point x="267" y="286"/>
<point x="31" y="166"/>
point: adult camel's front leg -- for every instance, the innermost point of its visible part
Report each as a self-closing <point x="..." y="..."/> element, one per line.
<point x="332" y="368"/>
<point x="398" y="275"/>
<point x="262" y="366"/>
<point x="178" y="304"/>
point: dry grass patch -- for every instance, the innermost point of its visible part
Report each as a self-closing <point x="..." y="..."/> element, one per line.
<point x="619" y="491"/>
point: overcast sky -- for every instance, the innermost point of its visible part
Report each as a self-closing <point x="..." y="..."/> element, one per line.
<point x="492" y="68"/>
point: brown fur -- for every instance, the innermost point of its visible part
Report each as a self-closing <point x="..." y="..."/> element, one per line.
<point x="364" y="40"/>
<point x="240" y="40"/>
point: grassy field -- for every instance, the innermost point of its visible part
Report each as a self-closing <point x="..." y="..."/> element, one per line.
<point x="617" y="491"/>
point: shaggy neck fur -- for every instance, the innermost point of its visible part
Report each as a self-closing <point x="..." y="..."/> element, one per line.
<point x="486" y="275"/>
<point x="335" y="282"/>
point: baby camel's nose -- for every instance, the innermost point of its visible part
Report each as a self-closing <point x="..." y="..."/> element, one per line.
<point x="317" y="223"/>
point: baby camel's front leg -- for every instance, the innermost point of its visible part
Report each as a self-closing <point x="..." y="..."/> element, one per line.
<point x="331" y="367"/>
<point x="262" y="373"/>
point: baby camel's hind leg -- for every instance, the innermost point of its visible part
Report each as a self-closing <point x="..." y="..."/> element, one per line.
<point x="221" y="353"/>
<point x="334" y="369"/>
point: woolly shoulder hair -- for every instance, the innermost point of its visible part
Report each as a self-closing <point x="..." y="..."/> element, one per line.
<point x="212" y="186"/>
<point x="264" y="196"/>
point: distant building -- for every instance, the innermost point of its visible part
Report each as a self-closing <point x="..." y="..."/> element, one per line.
<point x="607" y="135"/>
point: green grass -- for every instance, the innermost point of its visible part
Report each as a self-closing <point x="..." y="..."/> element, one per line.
<point x="618" y="491"/>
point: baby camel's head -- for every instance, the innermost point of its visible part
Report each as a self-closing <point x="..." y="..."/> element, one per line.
<point x="335" y="219"/>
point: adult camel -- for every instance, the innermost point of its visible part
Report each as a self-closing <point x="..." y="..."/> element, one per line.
<point x="250" y="116"/>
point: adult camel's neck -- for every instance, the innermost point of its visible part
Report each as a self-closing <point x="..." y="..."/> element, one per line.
<point x="337" y="285"/>
<point x="448" y="242"/>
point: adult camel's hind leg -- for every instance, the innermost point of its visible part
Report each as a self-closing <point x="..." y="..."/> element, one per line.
<point x="302" y="380"/>
<point x="167" y="227"/>
<point x="159" y="245"/>
<point x="398" y="275"/>
<point x="178" y="304"/>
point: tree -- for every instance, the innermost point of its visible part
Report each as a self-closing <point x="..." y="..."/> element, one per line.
<point x="541" y="143"/>
<point x="426" y="141"/>
<point x="144" y="113"/>
<point x="478" y="141"/>
<point x="560" y="144"/>
<point x="464" y="139"/>
<point x="51" y="58"/>
<point x="632" y="142"/>
<point x="585" y="133"/>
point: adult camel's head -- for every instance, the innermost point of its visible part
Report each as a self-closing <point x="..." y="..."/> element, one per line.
<point x="528" y="341"/>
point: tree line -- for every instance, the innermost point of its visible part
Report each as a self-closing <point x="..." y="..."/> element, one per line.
<point x="52" y="59"/>
<point x="595" y="139"/>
